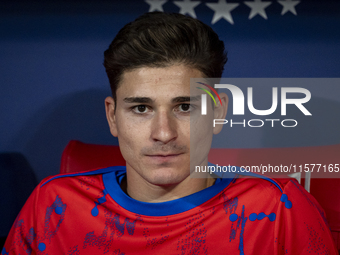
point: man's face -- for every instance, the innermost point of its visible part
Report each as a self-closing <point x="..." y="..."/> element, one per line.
<point x="152" y="123"/>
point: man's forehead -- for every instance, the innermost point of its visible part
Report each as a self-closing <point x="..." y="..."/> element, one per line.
<point x="157" y="82"/>
<point x="157" y="75"/>
<point x="150" y="94"/>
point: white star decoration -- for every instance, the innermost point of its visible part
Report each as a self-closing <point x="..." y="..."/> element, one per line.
<point x="222" y="10"/>
<point x="288" y="5"/>
<point x="257" y="7"/>
<point x="187" y="7"/>
<point x="156" y="5"/>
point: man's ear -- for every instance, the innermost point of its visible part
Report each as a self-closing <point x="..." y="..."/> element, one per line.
<point x="110" y="115"/>
<point x="220" y="111"/>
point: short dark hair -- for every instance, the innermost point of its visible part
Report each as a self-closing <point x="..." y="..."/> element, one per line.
<point x="159" y="39"/>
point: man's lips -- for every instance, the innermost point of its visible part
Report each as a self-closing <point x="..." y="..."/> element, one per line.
<point x="164" y="155"/>
<point x="161" y="158"/>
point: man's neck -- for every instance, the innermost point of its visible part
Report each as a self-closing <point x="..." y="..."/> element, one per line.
<point x="141" y="190"/>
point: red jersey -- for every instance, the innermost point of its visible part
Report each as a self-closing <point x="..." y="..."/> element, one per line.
<point x="88" y="213"/>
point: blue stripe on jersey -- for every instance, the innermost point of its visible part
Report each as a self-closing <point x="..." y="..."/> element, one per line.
<point x="112" y="185"/>
<point x="242" y="171"/>
<point x="98" y="171"/>
<point x="265" y="178"/>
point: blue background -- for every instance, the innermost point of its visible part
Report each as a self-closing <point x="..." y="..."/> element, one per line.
<point x="53" y="83"/>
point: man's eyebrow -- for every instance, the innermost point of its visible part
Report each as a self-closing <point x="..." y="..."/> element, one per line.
<point x="186" y="99"/>
<point x="141" y="100"/>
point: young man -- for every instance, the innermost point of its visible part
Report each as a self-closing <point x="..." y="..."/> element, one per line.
<point x="153" y="206"/>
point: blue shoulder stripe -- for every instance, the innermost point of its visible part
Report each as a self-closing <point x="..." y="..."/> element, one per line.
<point x="265" y="178"/>
<point x="86" y="173"/>
<point x="242" y="171"/>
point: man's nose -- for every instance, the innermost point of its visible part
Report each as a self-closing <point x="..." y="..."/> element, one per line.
<point x="164" y="127"/>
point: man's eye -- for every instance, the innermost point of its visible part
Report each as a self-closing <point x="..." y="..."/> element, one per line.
<point x="140" y="109"/>
<point x="185" y="107"/>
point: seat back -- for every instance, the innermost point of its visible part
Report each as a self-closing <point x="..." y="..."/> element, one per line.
<point x="78" y="156"/>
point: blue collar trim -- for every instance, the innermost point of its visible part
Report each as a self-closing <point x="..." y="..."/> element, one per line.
<point x="112" y="185"/>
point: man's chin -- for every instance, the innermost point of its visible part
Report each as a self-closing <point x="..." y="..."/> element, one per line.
<point x="167" y="176"/>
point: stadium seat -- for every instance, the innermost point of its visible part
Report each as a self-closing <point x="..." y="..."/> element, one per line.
<point x="78" y="156"/>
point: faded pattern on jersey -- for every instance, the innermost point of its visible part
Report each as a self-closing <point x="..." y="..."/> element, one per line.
<point x="223" y="224"/>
